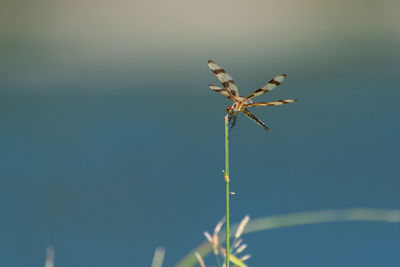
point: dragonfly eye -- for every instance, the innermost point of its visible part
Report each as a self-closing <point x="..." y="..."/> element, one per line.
<point x="229" y="109"/>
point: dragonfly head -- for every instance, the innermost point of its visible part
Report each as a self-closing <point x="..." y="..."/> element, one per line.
<point x="235" y="108"/>
<point x="230" y="110"/>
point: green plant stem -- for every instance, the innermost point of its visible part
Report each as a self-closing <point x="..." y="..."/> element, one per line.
<point x="226" y="176"/>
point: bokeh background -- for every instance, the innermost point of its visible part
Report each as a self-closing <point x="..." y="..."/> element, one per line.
<point x="112" y="143"/>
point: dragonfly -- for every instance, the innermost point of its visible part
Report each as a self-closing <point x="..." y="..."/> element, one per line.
<point x="240" y="104"/>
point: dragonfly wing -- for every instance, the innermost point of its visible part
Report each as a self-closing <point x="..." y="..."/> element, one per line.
<point x="251" y="116"/>
<point x="272" y="103"/>
<point x="224" y="78"/>
<point x="272" y="84"/>
<point x="222" y="91"/>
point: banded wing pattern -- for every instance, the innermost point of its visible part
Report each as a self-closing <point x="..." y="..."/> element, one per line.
<point x="272" y="84"/>
<point x="224" y="78"/>
<point x="240" y="104"/>
<point x="251" y="116"/>
<point x="220" y="90"/>
<point x="272" y="103"/>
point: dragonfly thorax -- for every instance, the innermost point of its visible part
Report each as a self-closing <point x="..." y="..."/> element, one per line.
<point x="238" y="105"/>
<point x="235" y="108"/>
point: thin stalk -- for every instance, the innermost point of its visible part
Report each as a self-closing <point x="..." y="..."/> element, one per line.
<point x="226" y="176"/>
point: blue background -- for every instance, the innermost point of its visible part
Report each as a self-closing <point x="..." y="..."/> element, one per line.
<point x="112" y="144"/>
